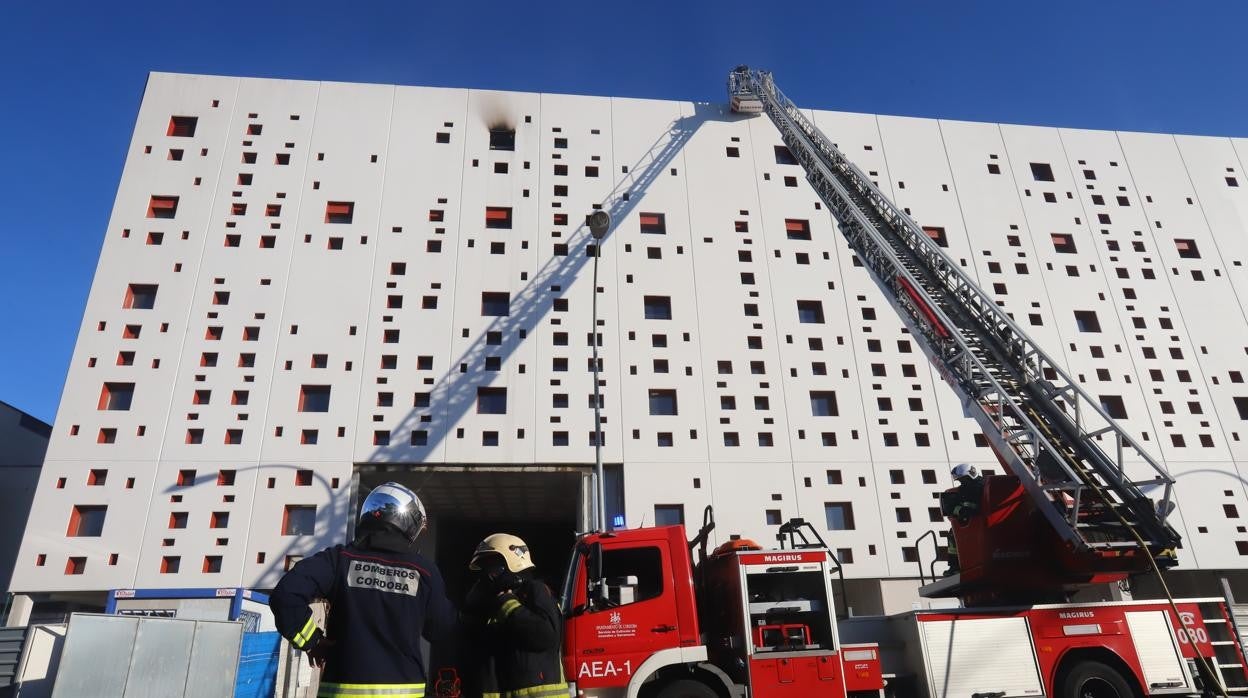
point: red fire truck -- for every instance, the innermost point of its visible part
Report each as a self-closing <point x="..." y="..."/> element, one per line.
<point x="644" y="621"/>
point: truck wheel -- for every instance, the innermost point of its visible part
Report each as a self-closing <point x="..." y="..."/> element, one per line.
<point x="686" y="688"/>
<point x="1088" y="679"/>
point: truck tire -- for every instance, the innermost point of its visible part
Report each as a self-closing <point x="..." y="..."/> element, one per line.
<point x="1089" y="679"/>
<point x="686" y="688"/>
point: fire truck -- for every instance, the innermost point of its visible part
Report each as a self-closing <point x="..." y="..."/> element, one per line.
<point x="645" y="619"/>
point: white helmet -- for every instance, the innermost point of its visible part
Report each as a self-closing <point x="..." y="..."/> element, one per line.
<point x="513" y="551"/>
<point x="962" y="470"/>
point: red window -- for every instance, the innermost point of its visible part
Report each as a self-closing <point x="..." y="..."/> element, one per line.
<point x="1063" y="242"/>
<point x="219" y="519"/>
<point x="140" y="297"/>
<point x="186" y="478"/>
<point x="314" y="398"/>
<point x="273" y="210"/>
<point x="131" y="331"/>
<point x="254" y="129"/>
<point x="655" y="223"/>
<point x="194" y="436"/>
<point x="436" y="215"/>
<point x="97" y="477"/>
<point x="233" y="437"/>
<point x="74" y="565"/>
<point x="303" y="478"/>
<point x="178" y="519"/>
<point x="212" y="564"/>
<point x="169" y="564"/>
<point x="498" y="216"/>
<point x="106" y="436"/>
<point x="116" y="396"/>
<point x="182" y="126"/>
<point x="162" y="207"/>
<point x="797" y="228"/>
<point x="937" y="234"/>
<point x="238" y="209"/>
<point x="86" y="521"/>
<point x="225" y="478"/>
<point x="339" y="211"/>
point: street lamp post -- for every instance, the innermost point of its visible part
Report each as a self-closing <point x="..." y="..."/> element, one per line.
<point x="598" y="221"/>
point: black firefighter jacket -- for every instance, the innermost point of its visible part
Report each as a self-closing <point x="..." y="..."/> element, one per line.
<point x="380" y="605"/>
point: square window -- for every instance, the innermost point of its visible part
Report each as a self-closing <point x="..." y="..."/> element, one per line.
<point x="495" y="304"/>
<point x="1087" y="321"/>
<point x="1114" y="406"/>
<point x="797" y="229"/>
<point x="162" y="207"/>
<point x="1063" y="242"/>
<point x="937" y="234"/>
<point x="170" y="564"/>
<point x="664" y="439"/>
<point x="86" y="521"/>
<point x="839" y="515"/>
<point x="140" y="297"/>
<point x="116" y="396"/>
<point x="491" y="400"/>
<point x="299" y="520"/>
<point x="339" y="211"/>
<point x="658" y="307"/>
<point x="662" y="402"/>
<point x="810" y="312"/>
<point x="1042" y="172"/>
<point x="182" y="126"/>
<point x="653" y="223"/>
<point x="314" y="398"/>
<point x="498" y="217"/>
<point x="1187" y="249"/>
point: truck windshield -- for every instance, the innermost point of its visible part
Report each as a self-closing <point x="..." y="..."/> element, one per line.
<point x="569" y="580"/>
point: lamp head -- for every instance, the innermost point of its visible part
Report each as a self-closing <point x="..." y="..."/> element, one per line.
<point x="599" y="221"/>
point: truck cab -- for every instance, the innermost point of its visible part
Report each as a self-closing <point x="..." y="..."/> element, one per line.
<point x="642" y="621"/>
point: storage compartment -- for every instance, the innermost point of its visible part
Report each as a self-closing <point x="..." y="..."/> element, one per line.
<point x="788" y="609"/>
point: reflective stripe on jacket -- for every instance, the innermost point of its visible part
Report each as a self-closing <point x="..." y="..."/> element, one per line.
<point x="356" y="690"/>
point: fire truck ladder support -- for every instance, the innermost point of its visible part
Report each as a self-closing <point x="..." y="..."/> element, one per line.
<point x="1073" y="459"/>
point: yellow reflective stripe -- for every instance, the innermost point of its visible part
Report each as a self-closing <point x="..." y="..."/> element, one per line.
<point x="509" y="606"/>
<point x="304" y="635"/>
<point x="353" y="690"/>
<point x="545" y="691"/>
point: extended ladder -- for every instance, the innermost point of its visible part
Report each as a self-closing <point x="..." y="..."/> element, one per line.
<point x="1043" y="426"/>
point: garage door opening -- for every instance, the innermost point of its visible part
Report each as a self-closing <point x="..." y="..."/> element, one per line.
<point x="544" y="505"/>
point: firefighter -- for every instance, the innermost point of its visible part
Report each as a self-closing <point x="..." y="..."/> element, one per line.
<point x="511" y="626"/>
<point x="383" y="597"/>
<point x="963" y="503"/>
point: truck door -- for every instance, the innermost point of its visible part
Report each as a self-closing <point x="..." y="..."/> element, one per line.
<point x="610" y="639"/>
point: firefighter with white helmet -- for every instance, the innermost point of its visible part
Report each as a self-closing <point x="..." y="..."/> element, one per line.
<point x="383" y="598"/>
<point x="512" y="625"/>
<point x="962" y="503"/>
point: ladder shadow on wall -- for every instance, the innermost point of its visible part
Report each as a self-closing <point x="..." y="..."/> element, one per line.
<point x="455" y="392"/>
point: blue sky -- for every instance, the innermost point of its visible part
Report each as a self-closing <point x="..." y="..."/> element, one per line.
<point x="72" y="76"/>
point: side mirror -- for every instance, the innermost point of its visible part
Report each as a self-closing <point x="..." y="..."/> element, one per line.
<point x="595" y="591"/>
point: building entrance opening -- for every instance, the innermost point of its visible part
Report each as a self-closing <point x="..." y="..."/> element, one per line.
<point x="544" y="505"/>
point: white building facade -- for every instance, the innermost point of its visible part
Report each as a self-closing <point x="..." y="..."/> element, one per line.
<point x="307" y="287"/>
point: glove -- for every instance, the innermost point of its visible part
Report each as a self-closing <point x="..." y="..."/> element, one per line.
<point x="318" y="653"/>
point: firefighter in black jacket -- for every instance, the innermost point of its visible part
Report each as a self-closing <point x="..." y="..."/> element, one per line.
<point x="962" y="503"/>
<point x="383" y="597"/>
<point x="512" y="624"/>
